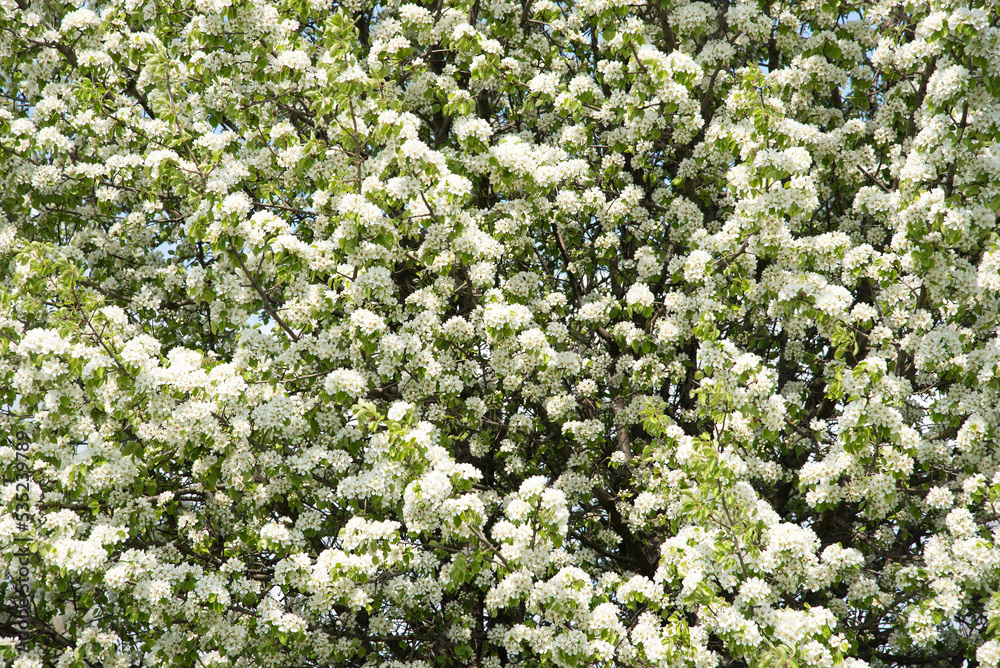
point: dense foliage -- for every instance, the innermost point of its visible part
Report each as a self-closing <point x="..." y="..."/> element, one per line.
<point x="595" y="333"/>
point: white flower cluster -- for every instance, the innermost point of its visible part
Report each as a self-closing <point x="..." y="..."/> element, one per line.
<point x="536" y="522"/>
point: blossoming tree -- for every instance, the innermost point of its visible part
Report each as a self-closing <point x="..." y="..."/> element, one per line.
<point x="596" y="333"/>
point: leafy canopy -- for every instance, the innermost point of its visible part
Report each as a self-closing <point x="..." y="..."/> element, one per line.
<point x="597" y="333"/>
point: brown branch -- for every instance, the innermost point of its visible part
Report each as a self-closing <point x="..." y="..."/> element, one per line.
<point x="268" y="306"/>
